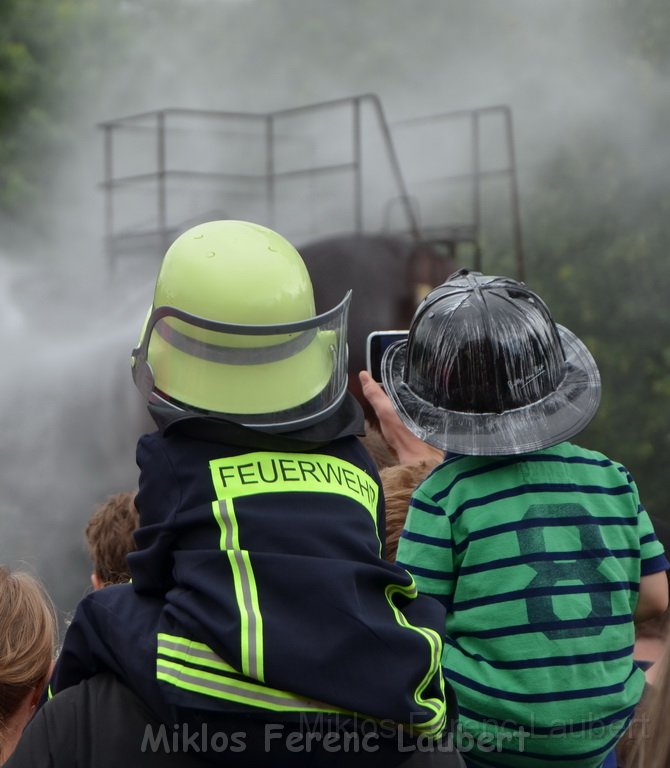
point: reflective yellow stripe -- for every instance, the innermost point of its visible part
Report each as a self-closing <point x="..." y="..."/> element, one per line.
<point x="225" y="517"/>
<point x="264" y="472"/>
<point x="438" y="705"/>
<point x="241" y="691"/>
<point x="191" y="651"/>
<point x="250" y="614"/>
<point x="180" y="674"/>
<point x="246" y="593"/>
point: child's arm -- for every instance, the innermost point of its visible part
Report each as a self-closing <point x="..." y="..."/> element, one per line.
<point x="409" y="448"/>
<point x="86" y="646"/>
<point x="653" y="597"/>
<point x="157" y="500"/>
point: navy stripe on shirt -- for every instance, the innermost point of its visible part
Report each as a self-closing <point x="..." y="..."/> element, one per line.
<point x="547" y="626"/>
<point x="551" y="661"/>
<point x="434" y="541"/>
<point x="507" y="462"/>
<point x="546" y="730"/>
<point x="557" y="556"/>
<point x="557" y="589"/>
<point x="520" y="490"/>
<point x="529" y="698"/>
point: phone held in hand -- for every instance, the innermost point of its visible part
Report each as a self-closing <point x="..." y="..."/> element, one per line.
<point x="377" y="343"/>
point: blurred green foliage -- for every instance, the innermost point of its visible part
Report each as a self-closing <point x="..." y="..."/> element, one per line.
<point x="598" y="241"/>
<point x="51" y="54"/>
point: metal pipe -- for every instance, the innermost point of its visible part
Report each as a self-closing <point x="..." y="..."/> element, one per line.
<point x="476" y="189"/>
<point x="270" y="168"/>
<point x="395" y="165"/>
<point x="109" y="202"/>
<point x="160" y="162"/>
<point x="514" y="197"/>
<point x="358" y="175"/>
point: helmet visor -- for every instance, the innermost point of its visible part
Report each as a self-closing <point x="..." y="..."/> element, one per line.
<point x="270" y="376"/>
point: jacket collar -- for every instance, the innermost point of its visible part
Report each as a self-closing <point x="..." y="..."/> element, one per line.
<point x="347" y="421"/>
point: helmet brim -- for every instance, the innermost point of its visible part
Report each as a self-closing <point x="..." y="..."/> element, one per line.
<point x="549" y="421"/>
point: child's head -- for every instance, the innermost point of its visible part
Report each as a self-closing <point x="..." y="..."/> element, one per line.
<point x="109" y="538"/>
<point x="233" y="332"/>
<point x="27" y="649"/>
<point x="487" y="371"/>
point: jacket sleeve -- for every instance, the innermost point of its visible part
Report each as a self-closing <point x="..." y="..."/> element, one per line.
<point x="157" y="501"/>
<point x="86" y="649"/>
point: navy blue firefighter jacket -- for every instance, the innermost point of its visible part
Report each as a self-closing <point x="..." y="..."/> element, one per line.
<point x="262" y="587"/>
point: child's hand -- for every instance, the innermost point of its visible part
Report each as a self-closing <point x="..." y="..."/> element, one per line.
<point x="409" y="448"/>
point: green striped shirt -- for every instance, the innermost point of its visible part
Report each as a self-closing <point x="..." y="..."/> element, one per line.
<point x="538" y="558"/>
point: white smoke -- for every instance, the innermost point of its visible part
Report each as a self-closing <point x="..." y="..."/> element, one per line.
<point x="70" y="414"/>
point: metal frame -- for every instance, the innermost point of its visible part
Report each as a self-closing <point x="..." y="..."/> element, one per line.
<point x="471" y="233"/>
<point x="118" y="242"/>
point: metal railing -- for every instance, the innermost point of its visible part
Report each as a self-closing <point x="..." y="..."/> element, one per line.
<point x="268" y="135"/>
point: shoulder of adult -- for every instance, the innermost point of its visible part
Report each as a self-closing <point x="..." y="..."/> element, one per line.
<point x="97" y="722"/>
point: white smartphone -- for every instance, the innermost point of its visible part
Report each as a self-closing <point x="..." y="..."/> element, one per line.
<point x="377" y="343"/>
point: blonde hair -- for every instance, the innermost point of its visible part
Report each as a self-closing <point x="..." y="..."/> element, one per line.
<point x="27" y="639"/>
<point x="378" y="447"/>
<point x="109" y="537"/>
<point x="398" y="483"/>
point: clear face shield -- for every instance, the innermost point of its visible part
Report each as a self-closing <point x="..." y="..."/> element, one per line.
<point x="275" y="377"/>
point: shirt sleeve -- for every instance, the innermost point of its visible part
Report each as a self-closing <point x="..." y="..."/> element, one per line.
<point x="652" y="552"/>
<point x="425" y="548"/>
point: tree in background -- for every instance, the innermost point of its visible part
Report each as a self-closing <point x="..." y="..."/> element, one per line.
<point x="52" y="53"/>
<point x="599" y="243"/>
